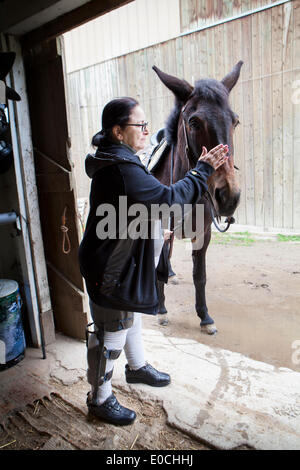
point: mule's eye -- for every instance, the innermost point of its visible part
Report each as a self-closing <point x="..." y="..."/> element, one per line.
<point x="195" y="123"/>
<point x="236" y="121"/>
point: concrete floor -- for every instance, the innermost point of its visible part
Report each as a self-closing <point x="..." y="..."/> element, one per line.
<point x="220" y="397"/>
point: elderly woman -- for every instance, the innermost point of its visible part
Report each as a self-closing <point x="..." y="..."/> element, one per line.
<point x="119" y="270"/>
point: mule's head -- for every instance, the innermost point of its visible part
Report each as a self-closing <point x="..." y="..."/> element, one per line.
<point x="205" y="112"/>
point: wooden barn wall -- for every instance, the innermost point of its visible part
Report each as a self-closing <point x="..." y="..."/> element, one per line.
<point x="199" y="13"/>
<point x="266" y="98"/>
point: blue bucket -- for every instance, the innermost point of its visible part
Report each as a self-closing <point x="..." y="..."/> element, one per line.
<point x="12" y="339"/>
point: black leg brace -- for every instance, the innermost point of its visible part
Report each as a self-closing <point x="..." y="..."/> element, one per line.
<point x="98" y="355"/>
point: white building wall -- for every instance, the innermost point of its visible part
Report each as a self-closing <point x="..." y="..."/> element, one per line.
<point x="129" y="28"/>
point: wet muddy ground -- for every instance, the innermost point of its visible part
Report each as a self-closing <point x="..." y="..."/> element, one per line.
<point x="253" y="295"/>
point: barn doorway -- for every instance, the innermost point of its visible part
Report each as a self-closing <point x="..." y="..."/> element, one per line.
<point x="61" y="227"/>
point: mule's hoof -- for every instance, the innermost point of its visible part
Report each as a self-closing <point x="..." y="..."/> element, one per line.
<point x="209" y="329"/>
<point x="173" y="280"/>
<point x="163" y="319"/>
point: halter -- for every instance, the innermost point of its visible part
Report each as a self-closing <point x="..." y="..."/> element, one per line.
<point x="216" y="218"/>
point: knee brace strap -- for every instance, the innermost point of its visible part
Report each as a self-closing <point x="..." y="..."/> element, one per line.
<point x="107" y="354"/>
<point x="106" y="377"/>
<point x="111" y="353"/>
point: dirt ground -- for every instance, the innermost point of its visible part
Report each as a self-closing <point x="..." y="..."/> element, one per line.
<point x="253" y="295"/>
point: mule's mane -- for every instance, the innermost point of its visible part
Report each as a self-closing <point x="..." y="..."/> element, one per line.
<point x="208" y="90"/>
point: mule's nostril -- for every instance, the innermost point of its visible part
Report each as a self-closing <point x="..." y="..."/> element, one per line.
<point x="221" y="195"/>
<point x="237" y="197"/>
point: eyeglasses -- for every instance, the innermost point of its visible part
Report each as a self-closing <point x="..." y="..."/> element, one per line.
<point x="143" y="126"/>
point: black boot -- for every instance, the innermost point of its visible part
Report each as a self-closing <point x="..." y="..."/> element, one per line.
<point x="147" y="375"/>
<point x="111" y="411"/>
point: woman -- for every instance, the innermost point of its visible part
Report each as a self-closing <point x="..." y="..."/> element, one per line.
<point x="119" y="270"/>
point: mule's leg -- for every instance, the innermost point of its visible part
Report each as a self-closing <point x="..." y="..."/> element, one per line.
<point x="171" y="272"/>
<point x="162" y="311"/>
<point x="199" y="276"/>
<point x="172" y="276"/>
<point x="160" y="286"/>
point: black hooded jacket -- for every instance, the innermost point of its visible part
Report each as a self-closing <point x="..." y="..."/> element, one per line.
<point x="120" y="272"/>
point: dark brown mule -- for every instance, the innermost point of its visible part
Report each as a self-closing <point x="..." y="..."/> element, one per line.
<point x="202" y="117"/>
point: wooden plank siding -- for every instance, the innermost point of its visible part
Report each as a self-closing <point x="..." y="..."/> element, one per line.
<point x="198" y="13"/>
<point x="258" y="156"/>
<point x="287" y="115"/>
<point x="247" y="116"/>
<point x="277" y="123"/>
<point x="296" y="114"/>
<point x="267" y="140"/>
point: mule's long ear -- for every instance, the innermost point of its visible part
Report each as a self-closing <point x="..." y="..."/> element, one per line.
<point x="180" y="88"/>
<point x="232" y="77"/>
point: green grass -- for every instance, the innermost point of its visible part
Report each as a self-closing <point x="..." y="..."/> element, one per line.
<point x="247" y="239"/>
<point x="237" y="238"/>
<point x="288" y="238"/>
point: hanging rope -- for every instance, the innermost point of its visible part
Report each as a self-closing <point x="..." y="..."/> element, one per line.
<point x="66" y="245"/>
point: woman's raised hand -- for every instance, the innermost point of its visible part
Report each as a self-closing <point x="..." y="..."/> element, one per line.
<point x="216" y="156"/>
<point x="167" y="234"/>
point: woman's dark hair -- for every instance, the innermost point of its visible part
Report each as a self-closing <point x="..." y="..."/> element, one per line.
<point x="115" y="113"/>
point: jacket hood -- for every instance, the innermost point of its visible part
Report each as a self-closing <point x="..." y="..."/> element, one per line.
<point x="110" y="155"/>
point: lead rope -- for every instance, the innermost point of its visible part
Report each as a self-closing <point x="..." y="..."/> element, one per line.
<point x="187" y="149"/>
<point x="65" y="229"/>
<point x="214" y="216"/>
<point x="171" y="239"/>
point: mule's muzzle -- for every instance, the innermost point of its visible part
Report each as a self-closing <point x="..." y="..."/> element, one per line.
<point x="227" y="201"/>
